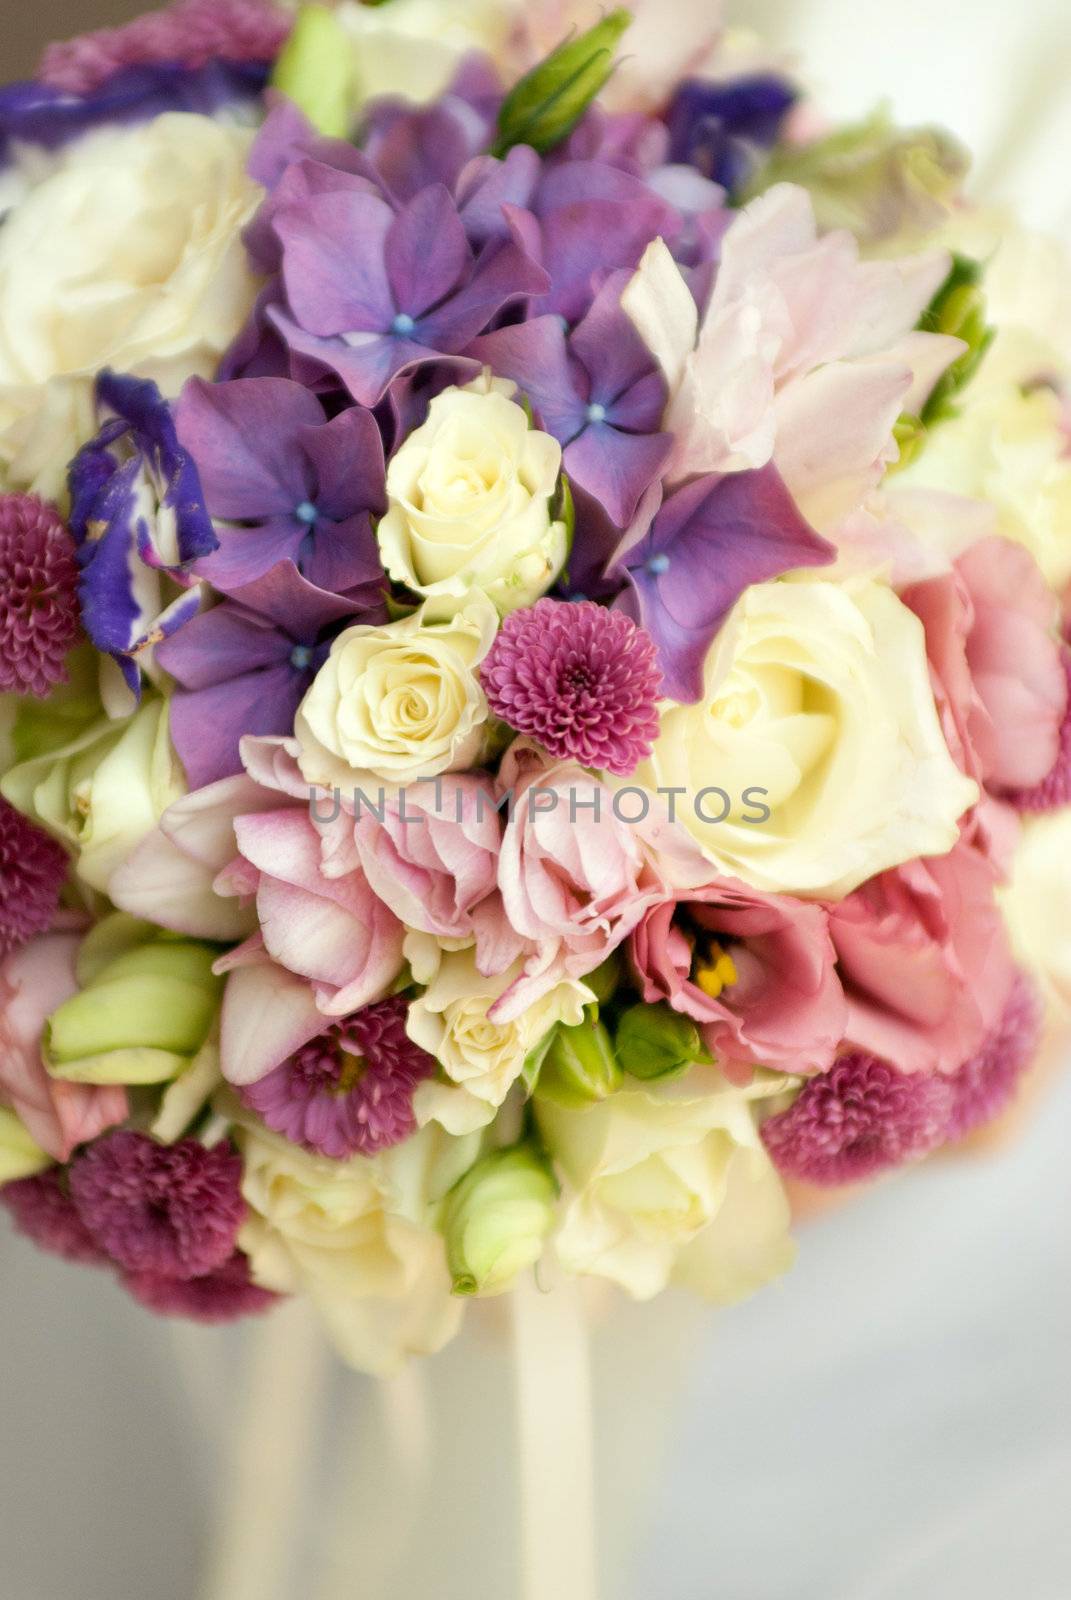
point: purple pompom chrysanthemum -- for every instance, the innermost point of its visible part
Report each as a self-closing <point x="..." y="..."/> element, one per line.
<point x="582" y="680"/>
<point x="191" y="33"/>
<point x="172" y="1210"/>
<point x="1054" y="791"/>
<point x="983" y="1087"/>
<point x="860" y="1118"/>
<point x="351" y="1089"/>
<point x="220" y="1296"/>
<point x="38" y="595"/>
<point x="32" y="870"/>
<point x="44" y="1212"/>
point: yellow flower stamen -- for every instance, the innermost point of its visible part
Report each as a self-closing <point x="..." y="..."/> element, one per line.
<point x="716" y="973"/>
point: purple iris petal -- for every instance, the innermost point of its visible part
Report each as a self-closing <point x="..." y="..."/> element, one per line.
<point x="136" y="504"/>
<point x="708" y="543"/>
<point x="722" y="128"/>
<point x="30" y="113"/>
<point x="596" y="390"/>
<point x="245" y="666"/>
<point x="302" y="488"/>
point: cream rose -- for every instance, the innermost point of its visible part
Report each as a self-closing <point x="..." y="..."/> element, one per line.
<point x="481" y="1059"/>
<point x="104" y="791"/>
<point x="1037" y="906"/>
<point x="470" y="503"/>
<point x="398" y="702"/>
<point x="1008" y="448"/>
<point x="127" y="253"/>
<point x="413" y="48"/>
<point x="670" y="1184"/>
<point x="358" y="1237"/>
<point x="20" y="1157"/>
<point x="816" y="708"/>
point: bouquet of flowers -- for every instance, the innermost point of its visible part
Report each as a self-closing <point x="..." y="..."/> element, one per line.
<point x="536" y="706"/>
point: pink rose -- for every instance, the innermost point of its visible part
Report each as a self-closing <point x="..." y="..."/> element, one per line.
<point x="576" y="878"/>
<point x="991" y="635"/>
<point x="34" y="981"/>
<point x="781" y="1005"/>
<point x="924" y="959"/>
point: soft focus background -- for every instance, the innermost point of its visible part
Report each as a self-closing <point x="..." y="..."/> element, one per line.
<point x="893" y="1421"/>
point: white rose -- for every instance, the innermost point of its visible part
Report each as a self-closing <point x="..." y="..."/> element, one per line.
<point x="400" y="702"/>
<point x="470" y="503"/>
<point x="104" y="791"/>
<point x="1008" y="448"/>
<point x="482" y="1059"/>
<point x="413" y="48"/>
<point x="816" y="705"/>
<point x="358" y="1237"/>
<point x="1037" y="906"/>
<point x="670" y="1183"/>
<point x="126" y="254"/>
<point x="20" y="1157"/>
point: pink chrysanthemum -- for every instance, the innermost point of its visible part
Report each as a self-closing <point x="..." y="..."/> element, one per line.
<point x="858" y="1119"/>
<point x="190" y="34"/>
<point x="984" y="1086"/>
<point x="351" y="1089"/>
<point x="582" y="680"/>
<point x="32" y="870"/>
<point x="43" y="1210"/>
<point x="220" y="1296"/>
<point x="38" y="595"/>
<point x="171" y="1210"/>
<point x="1054" y="791"/>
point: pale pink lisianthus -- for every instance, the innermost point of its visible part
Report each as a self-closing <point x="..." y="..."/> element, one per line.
<point x="576" y="878"/>
<point x="34" y="981"/>
<point x="805" y="355"/>
<point x="431" y="855"/>
<point x="991" y="636"/>
<point x="924" y="958"/>
<point x="333" y="931"/>
<point x="784" y="1006"/>
<point x="244" y="859"/>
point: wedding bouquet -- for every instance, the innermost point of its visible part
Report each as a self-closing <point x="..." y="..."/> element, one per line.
<point x="536" y="706"/>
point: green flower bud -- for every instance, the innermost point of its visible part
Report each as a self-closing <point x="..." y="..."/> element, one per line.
<point x="20" y="1157"/>
<point x="657" y="1042"/>
<point x="147" y="1003"/>
<point x="580" y="1067"/>
<point x="316" y="71"/>
<point x="889" y="186"/>
<point x="910" y="435"/>
<point x="604" y="980"/>
<point x="545" y="107"/>
<point x="958" y="308"/>
<point x="497" y="1220"/>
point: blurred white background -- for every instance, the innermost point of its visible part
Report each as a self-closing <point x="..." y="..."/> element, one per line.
<point x="891" y="1423"/>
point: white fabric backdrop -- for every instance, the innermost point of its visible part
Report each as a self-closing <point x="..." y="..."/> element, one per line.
<point x="894" y="1421"/>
